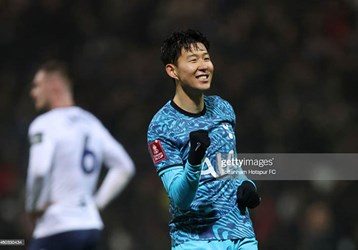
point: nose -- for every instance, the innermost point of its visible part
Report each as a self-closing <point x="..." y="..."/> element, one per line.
<point x="203" y="65"/>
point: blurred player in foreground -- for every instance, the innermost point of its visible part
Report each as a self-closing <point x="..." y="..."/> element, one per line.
<point x="185" y="139"/>
<point x="68" y="147"/>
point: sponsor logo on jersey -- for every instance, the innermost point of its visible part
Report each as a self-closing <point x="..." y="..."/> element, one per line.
<point x="157" y="151"/>
<point x="36" y="138"/>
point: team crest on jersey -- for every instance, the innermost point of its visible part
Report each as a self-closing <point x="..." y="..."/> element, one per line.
<point x="157" y="151"/>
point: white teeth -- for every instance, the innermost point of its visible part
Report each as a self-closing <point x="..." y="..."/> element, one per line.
<point x="203" y="77"/>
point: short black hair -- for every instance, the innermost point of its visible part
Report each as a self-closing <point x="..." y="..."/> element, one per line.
<point x="59" y="67"/>
<point x="172" y="46"/>
<point x="56" y="66"/>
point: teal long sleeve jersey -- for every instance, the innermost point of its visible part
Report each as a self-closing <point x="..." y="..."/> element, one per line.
<point x="202" y="204"/>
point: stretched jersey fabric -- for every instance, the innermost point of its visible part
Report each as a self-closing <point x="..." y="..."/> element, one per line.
<point x="213" y="214"/>
<point x="68" y="147"/>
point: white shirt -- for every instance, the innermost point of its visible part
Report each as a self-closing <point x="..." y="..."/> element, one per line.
<point x="68" y="147"/>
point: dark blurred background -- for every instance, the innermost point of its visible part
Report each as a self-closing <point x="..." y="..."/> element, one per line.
<point x="289" y="68"/>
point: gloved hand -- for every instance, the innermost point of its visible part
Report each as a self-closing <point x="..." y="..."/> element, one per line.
<point x="199" y="142"/>
<point x="247" y="196"/>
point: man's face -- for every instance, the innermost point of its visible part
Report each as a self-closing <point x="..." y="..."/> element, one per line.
<point x="40" y="90"/>
<point x="194" y="68"/>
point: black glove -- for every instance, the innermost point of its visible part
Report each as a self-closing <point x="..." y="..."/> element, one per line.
<point x="247" y="196"/>
<point x="199" y="142"/>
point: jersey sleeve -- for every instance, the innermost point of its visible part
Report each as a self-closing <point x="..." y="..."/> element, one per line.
<point x="121" y="169"/>
<point x="114" y="154"/>
<point x="163" y="150"/>
<point x="231" y="114"/>
<point x="227" y="110"/>
<point x="42" y="148"/>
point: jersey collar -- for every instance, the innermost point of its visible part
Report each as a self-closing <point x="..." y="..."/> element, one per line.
<point x="176" y="107"/>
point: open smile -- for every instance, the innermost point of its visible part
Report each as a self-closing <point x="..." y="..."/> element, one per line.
<point x="203" y="77"/>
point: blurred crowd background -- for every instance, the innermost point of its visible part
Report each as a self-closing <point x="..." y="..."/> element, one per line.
<point x="289" y="68"/>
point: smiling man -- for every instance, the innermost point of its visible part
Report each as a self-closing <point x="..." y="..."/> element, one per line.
<point x="185" y="138"/>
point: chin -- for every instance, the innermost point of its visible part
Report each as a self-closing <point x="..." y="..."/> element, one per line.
<point x="205" y="87"/>
<point x="40" y="107"/>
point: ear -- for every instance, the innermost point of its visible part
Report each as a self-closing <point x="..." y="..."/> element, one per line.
<point x="171" y="71"/>
<point x="55" y="82"/>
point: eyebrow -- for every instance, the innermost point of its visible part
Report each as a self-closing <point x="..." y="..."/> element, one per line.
<point x="191" y="54"/>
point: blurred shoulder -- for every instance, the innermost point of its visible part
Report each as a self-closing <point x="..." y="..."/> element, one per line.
<point x="218" y="102"/>
<point x="42" y="121"/>
<point x="56" y="118"/>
